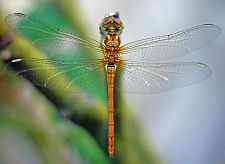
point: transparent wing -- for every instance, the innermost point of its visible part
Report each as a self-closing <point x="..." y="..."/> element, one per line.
<point x="50" y="39"/>
<point x="170" y="46"/>
<point x="87" y="76"/>
<point x="159" y="77"/>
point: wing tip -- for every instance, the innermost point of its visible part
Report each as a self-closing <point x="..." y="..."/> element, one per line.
<point x="16" y="60"/>
<point x="18" y="14"/>
<point x="15" y="14"/>
<point x="204" y="67"/>
<point x="208" y="24"/>
<point x="10" y="16"/>
<point x="214" y="26"/>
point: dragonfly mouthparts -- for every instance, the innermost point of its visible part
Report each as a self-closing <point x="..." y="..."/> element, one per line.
<point x="113" y="14"/>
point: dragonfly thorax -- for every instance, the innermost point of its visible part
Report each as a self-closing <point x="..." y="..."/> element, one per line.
<point x="111" y="45"/>
<point x="110" y="59"/>
<point x="111" y="41"/>
<point x="112" y="49"/>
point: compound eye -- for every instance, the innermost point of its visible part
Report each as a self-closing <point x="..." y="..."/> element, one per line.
<point x="119" y="27"/>
<point x="104" y="27"/>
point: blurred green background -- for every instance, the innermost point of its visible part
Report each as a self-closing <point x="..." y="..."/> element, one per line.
<point x="182" y="126"/>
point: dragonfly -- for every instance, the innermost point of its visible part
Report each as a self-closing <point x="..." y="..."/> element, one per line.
<point x="140" y="61"/>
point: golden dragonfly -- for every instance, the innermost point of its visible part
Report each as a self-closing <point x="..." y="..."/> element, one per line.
<point x="139" y="60"/>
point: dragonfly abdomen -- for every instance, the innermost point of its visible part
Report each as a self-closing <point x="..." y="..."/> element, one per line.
<point x="110" y="81"/>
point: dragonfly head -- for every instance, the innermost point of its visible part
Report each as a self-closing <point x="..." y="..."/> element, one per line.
<point x="111" y="24"/>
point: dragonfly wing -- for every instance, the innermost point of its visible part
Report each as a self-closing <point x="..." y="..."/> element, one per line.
<point x="50" y="39"/>
<point x="159" y="77"/>
<point x="70" y="76"/>
<point x="171" y="46"/>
